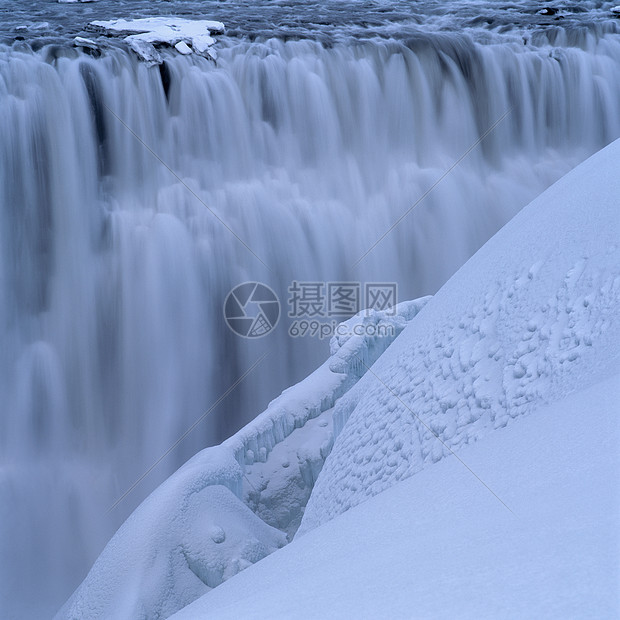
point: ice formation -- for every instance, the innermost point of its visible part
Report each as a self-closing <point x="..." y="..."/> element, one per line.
<point x="233" y="504"/>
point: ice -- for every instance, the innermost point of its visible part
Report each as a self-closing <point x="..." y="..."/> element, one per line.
<point x="233" y="504"/>
<point x="347" y="346"/>
<point x="183" y="48"/>
<point x="84" y="42"/>
<point x="532" y="316"/>
<point x="144" y="35"/>
<point x="439" y="545"/>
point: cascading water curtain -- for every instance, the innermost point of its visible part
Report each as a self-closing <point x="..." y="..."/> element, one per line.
<point x="114" y="266"/>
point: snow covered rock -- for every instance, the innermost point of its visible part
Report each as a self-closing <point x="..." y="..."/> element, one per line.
<point x="530" y="316"/>
<point x="183" y="48"/>
<point x="232" y="504"/>
<point x="84" y="42"/>
<point x="145" y="35"/>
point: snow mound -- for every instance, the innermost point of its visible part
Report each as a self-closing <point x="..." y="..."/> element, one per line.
<point x="439" y="545"/>
<point x="233" y="504"/>
<point x="174" y="548"/>
<point x="145" y="35"/>
<point x="532" y="315"/>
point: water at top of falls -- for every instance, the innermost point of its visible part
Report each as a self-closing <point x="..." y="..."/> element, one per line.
<point x="327" y="21"/>
<point x="114" y="268"/>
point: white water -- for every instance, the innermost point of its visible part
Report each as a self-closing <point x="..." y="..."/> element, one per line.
<point x="113" y="275"/>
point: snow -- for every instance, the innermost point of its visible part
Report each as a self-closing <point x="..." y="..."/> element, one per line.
<point x="231" y="505"/>
<point x="531" y="316"/>
<point x="439" y="545"/>
<point x="144" y="35"/>
<point x="183" y="48"/>
<point x="501" y="394"/>
<point x="175" y="547"/>
<point x="84" y="42"/>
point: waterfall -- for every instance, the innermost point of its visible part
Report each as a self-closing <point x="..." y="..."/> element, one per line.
<point x="134" y="197"/>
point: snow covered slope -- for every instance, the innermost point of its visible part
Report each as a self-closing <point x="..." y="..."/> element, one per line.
<point x="233" y="504"/>
<point x="531" y="317"/>
<point x="439" y="545"/>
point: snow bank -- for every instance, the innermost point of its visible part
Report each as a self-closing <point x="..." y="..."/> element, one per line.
<point x="439" y="545"/>
<point x="144" y="35"/>
<point x="231" y="505"/>
<point x="527" y="319"/>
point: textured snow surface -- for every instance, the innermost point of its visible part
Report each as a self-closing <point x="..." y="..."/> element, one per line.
<point x="143" y="35"/>
<point x="439" y="545"/>
<point x="532" y="315"/>
<point x="233" y="504"/>
<point x="175" y="547"/>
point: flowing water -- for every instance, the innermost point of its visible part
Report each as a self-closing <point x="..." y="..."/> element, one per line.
<point x="134" y="197"/>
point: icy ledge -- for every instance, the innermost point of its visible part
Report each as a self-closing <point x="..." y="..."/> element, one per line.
<point x="233" y="504"/>
<point x="144" y="36"/>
